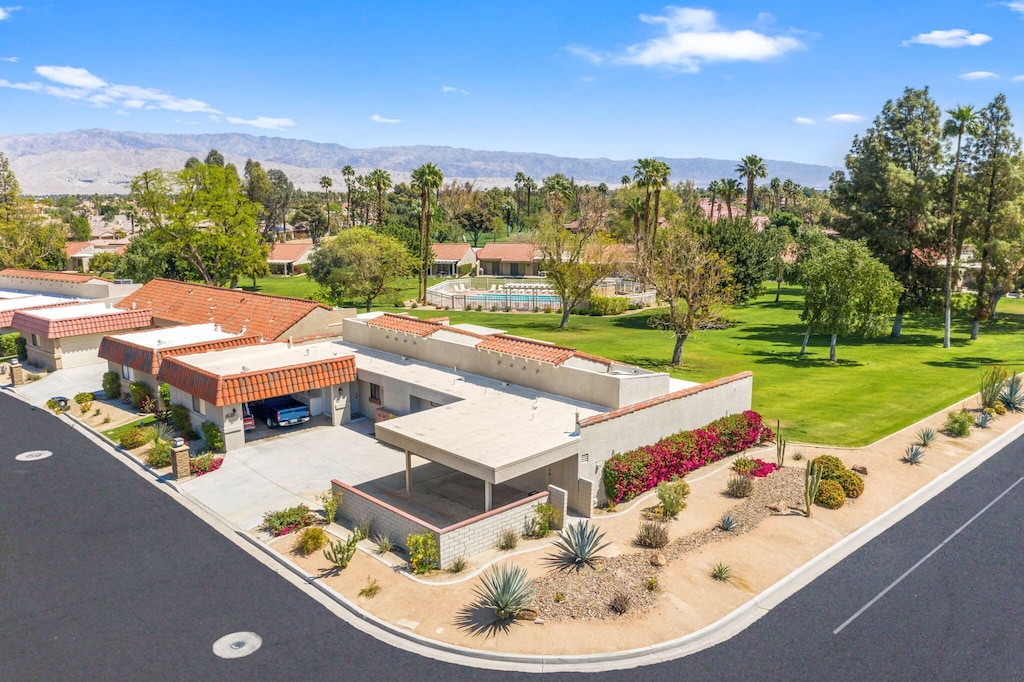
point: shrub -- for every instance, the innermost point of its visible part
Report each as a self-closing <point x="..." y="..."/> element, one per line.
<point x="340" y="552"/>
<point x="608" y="305"/>
<point x="424" y="554"/>
<point x="213" y="436"/>
<point x="506" y="589"/>
<point x="728" y="523"/>
<point x="508" y="539"/>
<point x="364" y="527"/>
<point x="762" y="468"/>
<point x="310" y="540"/>
<point x="159" y="455"/>
<point x="830" y="494"/>
<point x="672" y="495"/>
<point x="721" y="572"/>
<point x="545" y="516"/>
<point x="626" y="475"/>
<point x="926" y="437"/>
<point x="134" y="438"/>
<point x="181" y="419"/>
<point x="1012" y="395"/>
<point x="371" y="589"/>
<point x="285" y="521"/>
<point x="743" y="465"/>
<point x="958" y="423"/>
<point x="621" y="602"/>
<point x="999" y="408"/>
<point x="139" y="392"/>
<point x="331" y="500"/>
<point x="85" y="399"/>
<point x="651" y="584"/>
<point x="165" y="394"/>
<point x="992" y="381"/>
<point x="913" y="454"/>
<point x="652" y="533"/>
<point x="984" y="420"/>
<point x="577" y="546"/>
<point x="56" y="406"/>
<point x="851" y="483"/>
<point x="740" y="486"/>
<point x="9" y="344"/>
<point x="829" y="465"/>
<point x="458" y="565"/>
<point x="22" y="348"/>
<point x="204" y="464"/>
<point x="383" y="542"/>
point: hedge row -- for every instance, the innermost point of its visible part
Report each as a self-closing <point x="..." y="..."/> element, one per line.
<point x="629" y="474"/>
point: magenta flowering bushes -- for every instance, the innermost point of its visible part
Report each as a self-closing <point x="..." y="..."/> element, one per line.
<point x="629" y="474"/>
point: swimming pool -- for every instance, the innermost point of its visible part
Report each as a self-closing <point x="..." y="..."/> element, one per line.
<point x="513" y="299"/>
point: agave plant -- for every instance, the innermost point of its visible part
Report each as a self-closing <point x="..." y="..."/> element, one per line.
<point x="926" y="436"/>
<point x="721" y="572"/>
<point x="1012" y="396"/>
<point x="913" y="454"/>
<point x="162" y="432"/>
<point x="577" y="546"/>
<point x="727" y="523"/>
<point x="983" y="420"/>
<point x="506" y="589"/>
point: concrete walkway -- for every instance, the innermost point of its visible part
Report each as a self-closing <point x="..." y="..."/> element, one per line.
<point x="66" y="382"/>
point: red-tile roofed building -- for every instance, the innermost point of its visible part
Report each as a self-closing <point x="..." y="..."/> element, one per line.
<point x="404" y="323"/>
<point x="526" y="348"/>
<point x="285" y="256"/>
<point x="448" y="258"/>
<point x="68" y="284"/>
<point x="509" y="260"/>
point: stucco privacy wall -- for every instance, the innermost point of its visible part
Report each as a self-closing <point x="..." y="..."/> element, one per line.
<point x="603" y="435"/>
<point x="607" y="389"/>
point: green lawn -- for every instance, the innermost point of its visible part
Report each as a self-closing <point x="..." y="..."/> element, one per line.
<point x="115" y="433"/>
<point x="301" y="286"/>
<point x="877" y="387"/>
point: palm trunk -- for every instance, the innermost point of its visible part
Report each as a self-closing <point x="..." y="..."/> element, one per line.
<point x="728" y="206"/>
<point x="832" y="349"/>
<point x="807" y="337"/>
<point x="654" y="223"/>
<point x="750" y="196"/>
<point x="948" y="310"/>
<point x="677" y="352"/>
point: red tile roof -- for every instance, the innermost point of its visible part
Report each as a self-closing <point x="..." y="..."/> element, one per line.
<point x="237" y="388"/>
<point x="509" y="253"/>
<point x="188" y="303"/>
<point x="49" y="275"/>
<point x="24" y="321"/>
<point x="404" y="323"/>
<point x="450" y="252"/>
<point x="7" y="316"/>
<point x="288" y="252"/>
<point x="527" y="348"/>
<point x="688" y="391"/>
<point x="146" y="359"/>
<point x="72" y="248"/>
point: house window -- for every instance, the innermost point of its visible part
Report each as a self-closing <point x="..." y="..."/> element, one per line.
<point x="375" y="394"/>
<point x="35" y="340"/>
<point x="199" y="405"/>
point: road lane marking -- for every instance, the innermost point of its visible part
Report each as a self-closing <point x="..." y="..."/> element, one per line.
<point x="925" y="558"/>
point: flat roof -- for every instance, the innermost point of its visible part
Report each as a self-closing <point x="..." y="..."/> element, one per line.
<point x="261" y="358"/>
<point x="6" y="293"/>
<point x="29" y="301"/>
<point x="169" y="337"/>
<point x="71" y="312"/>
<point x="477" y="329"/>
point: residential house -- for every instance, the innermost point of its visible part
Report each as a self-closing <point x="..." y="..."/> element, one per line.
<point x="503" y="259"/>
<point x="286" y="258"/>
<point x="449" y="259"/>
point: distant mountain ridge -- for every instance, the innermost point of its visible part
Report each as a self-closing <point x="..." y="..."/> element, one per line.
<point x="104" y="161"/>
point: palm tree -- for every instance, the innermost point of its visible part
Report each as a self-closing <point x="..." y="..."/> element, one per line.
<point x="961" y="122"/>
<point x="427" y="179"/>
<point x="751" y="167"/>
<point x="789" y="190"/>
<point x="652" y="175"/>
<point x="775" y="185"/>
<point x="731" y="190"/>
<point x="634" y="210"/>
<point x="530" y="184"/>
<point x="713" y="189"/>
<point x="349" y="173"/>
<point x="625" y="180"/>
<point x="380" y="180"/>
<point x="326" y="183"/>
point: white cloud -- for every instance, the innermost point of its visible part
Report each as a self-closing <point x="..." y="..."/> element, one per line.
<point x="956" y="37"/>
<point x="803" y="120"/>
<point x="1016" y="6"/>
<point x="451" y="89"/>
<point x="692" y="38"/>
<point x="1018" y="79"/>
<point x="377" y="118"/>
<point x="263" y="122"/>
<point x="5" y="12"/>
<point x="72" y="76"/>
<point x="10" y="60"/>
<point x="844" y="118"/>
<point x="978" y="76"/>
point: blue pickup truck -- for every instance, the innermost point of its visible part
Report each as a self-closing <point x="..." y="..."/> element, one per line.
<point x="281" y="411"/>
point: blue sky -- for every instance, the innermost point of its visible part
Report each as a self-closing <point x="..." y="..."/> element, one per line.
<point x="785" y="80"/>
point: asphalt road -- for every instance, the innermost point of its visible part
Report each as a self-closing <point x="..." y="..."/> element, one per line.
<point x="104" y="577"/>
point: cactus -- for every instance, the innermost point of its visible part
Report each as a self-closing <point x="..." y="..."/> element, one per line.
<point x="812" y="479"/>
<point x="506" y="589"/>
<point x="780" y="444"/>
<point x="341" y="552"/>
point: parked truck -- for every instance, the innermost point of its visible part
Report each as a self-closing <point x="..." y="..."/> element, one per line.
<point x="281" y="411"/>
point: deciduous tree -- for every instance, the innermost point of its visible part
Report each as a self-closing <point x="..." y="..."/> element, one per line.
<point x="359" y="264"/>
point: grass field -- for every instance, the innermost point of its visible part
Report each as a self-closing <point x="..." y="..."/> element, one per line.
<point x="301" y="286"/>
<point x="114" y="434"/>
<point x="878" y="386"/>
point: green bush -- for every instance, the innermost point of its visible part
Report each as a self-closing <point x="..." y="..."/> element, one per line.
<point x="608" y="305"/>
<point x="830" y="494"/>
<point x="111" y="385"/>
<point x="652" y="533"/>
<point x="22" y="348"/>
<point x="672" y="495"/>
<point x="139" y="392"/>
<point x="84" y="401"/>
<point x="213" y="436"/>
<point x="959" y="423"/>
<point x="545" y="516"/>
<point x="851" y="482"/>
<point x="740" y="486"/>
<point x="9" y="344"/>
<point x="829" y="465"/>
<point x="159" y="455"/>
<point x="424" y="555"/>
<point x="310" y="540"/>
<point x="134" y="438"/>
<point x="165" y="394"/>
<point x="284" y="521"/>
<point x="181" y="419"/>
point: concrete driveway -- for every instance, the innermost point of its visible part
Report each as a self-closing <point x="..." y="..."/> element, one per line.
<point x="65" y="382"/>
<point x="291" y="468"/>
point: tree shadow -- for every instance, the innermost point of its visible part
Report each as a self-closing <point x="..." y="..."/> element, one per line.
<point x="793" y="359"/>
<point x="965" y="363"/>
<point x="478" y="619"/>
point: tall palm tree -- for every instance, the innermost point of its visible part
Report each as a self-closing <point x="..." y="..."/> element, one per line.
<point x="962" y="120"/>
<point x="380" y="180"/>
<point x="714" y="188"/>
<point x="651" y="175"/>
<point x="625" y="180"/>
<point x="349" y="173"/>
<point x="634" y="210"/>
<point x="427" y="179"/>
<point x="790" y="190"/>
<point x="751" y="167"/>
<point x="775" y="185"/>
<point x="326" y="183"/>
<point x="530" y="184"/>
<point x="731" y="190"/>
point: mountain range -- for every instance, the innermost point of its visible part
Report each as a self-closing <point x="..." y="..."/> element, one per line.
<point x="98" y="161"/>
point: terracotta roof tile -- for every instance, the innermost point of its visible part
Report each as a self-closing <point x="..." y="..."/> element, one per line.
<point x="146" y="359"/>
<point x="24" y="321"/>
<point x="73" y="248"/>
<point x="526" y="348"/>
<point x="404" y="323"/>
<point x="450" y="252"/>
<point x="288" y="252"/>
<point x="258" y="385"/>
<point x="509" y="253"/>
<point x="187" y="303"/>
<point x="50" y="275"/>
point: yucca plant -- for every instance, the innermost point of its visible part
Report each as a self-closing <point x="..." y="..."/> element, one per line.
<point x="162" y="432"/>
<point x="652" y="533"/>
<point x="506" y="589"/>
<point x="727" y="523"/>
<point x="721" y="572"/>
<point x="926" y="436"/>
<point x="992" y="381"/>
<point x="913" y="454"/>
<point x="577" y="546"/>
<point x="384" y="543"/>
<point x="983" y="420"/>
<point x="1012" y="395"/>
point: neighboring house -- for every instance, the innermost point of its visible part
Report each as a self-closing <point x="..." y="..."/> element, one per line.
<point x="11" y="304"/>
<point x="66" y="284"/>
<point x="448" y="258"/>
<point x="286" y="255"/>
<point x="236" y="311"/>
<point x="80" y="254"/>
<point x="59" y="337"/>
<point x="509" y="260"/>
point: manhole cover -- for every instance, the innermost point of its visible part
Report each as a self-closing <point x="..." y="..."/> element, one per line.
<point x="237" y="644"/>
<point x="33" y="455"/>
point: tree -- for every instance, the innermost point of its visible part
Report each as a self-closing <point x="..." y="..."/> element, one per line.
<point x="714" y="188"/>
<point x="651" y="175"/>
<point x="380" y="181"/>
<point x="361" y="264"/>
<point x="750" y="254"/>
<point x="889" y="197"/>
<point x="751" y="167"/>
<point x="278" y="202"/>
<point x="960" y="123"/>
<point x="691" y="279"/>
<point x="847" y="292"/>
<point x="349" y="174"/>
<point x="427" y="178"/>
<point x="214" y="158"/>
<point x="78" y="226"/>
<point x="775" y="187"/>
<point x="10" y="191"/>
<point x="633" y="210"/>
<point x="574" y="259"/>
<point x="149" y="257"/>
<point x="325" y="184"/>
<point x="310" y="216"/>
<point x="730" y="190"/>
<point x="27" y="240"/>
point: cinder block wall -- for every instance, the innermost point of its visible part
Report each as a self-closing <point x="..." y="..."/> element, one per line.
<point x="480" y="533"/>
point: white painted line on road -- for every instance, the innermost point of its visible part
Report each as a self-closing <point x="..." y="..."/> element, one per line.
<point x="925" y="558"/>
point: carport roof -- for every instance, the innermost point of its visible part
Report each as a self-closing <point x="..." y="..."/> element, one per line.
<point x="144" y="351"/>
<point x="58" y="322"/>
<point x="238" y="375"/>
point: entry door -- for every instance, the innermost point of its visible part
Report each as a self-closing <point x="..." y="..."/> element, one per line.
<point x="316" y="404"/>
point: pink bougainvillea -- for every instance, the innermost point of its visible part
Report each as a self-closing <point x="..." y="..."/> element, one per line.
<point x="629" y="474"/>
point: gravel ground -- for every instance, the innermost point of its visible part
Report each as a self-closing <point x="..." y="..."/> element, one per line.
<point x="588" y="592"/>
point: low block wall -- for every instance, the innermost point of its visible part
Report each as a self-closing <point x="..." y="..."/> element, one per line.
<point x="385" y="519"/>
